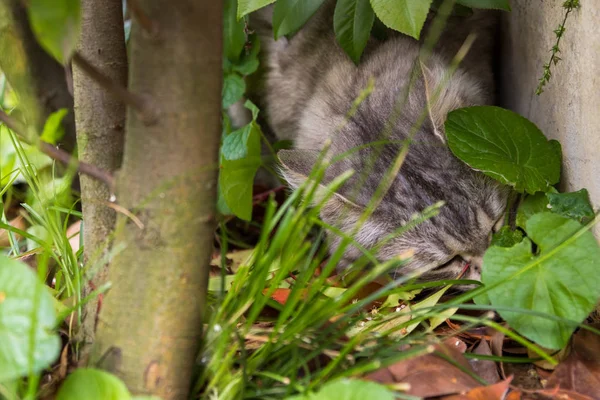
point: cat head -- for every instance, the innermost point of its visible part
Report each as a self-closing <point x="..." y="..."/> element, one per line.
<point x="438" y="248"/>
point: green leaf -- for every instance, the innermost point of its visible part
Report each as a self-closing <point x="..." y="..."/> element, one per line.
<point x="242" y="143"/>
<point x="233" y="89"/>
<point x="247" y="6"/>
<point x="236" y="180"/>
<point x="56" y="25"/>
<point x="506" y="237"/>
<point x="504" y="146"/>
<point x="561" y="279"/>
<point x="92" y="384"/>
<point x="53" y="129"/>
<point x="532" y="204"/>
<point x="352" y="22"/>
<point x="406" y="16"/>
<point x="27" y="318"/>
<point x="290" y="15"/>
<point x="248" y="63"/>
<point x="349" y="389"/>
<point x="575" y="205"/>
<point x="493" y="4"/>
<point x="234" y="32"/>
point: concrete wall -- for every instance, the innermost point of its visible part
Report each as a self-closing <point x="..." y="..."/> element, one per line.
<point x="569" y="108"/>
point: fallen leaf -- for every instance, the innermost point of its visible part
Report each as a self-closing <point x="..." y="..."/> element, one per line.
<point x="431" y="375"/>
<point x="19" y="223"/>
<point x="560" y="394"/>
<point x="580" y="372"/>
<point x="486" y="369"/>
<point x="496" y="391"/>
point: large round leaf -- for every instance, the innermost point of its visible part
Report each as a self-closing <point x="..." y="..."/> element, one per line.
<point x="92" y="384"/>
<point x="561" y="279"/>
<point x="504" y="146"/>
<point x="27" y="317"/>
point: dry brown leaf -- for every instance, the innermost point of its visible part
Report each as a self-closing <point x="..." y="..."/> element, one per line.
<point x="19" y="223"/>
<point x="497" y="391"/>
<point x="560" y="394"/>
<point x="431" y="375"/>
<point x="486" y="369"/>
<point x="580" y="372"/>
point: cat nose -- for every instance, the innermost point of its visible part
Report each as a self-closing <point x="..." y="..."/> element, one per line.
<point x="475" y="262"/>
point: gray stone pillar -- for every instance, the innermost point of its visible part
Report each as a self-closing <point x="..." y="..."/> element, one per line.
<point x="569" y="108"/>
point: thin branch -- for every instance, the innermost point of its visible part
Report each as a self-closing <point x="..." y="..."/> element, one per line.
<point x="140" y="16"/>
<point x="137" y="102"/>
<point x="60" y="155"/>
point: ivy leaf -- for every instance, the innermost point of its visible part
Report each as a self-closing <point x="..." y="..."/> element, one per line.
<point x="290" y="15"/>
<point x="234" y="34"/>
<point x="575" y="205"/>
<point x="236" y="180"/>
<point x="245" y="7"/>
<point x="506" y="237"/>
<point x="406" y="16"/>
<point x="56" y="25"/>
<point x="53" y="129"/>
<point x="560" y="280"/>
<point x="349" y="389"/>
<point x="234" y="88"/>
<point x="92" y="384"/>
<point x="493" y="4"/>
<point x="352" y="23"/>
<point x="504" y="146"/>
<point x="27" y="318"/>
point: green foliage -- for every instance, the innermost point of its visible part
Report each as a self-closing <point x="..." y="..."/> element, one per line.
<point x="493" y="4"/>
<point x="233" y="31"/>
<point x="406" y="16"/>
<point x="352" y="22"/>
<point x="506" y="237"/>
<point x="559" y="280"/>
<point x="532" y="204"/>
<point x="93" y="384"/>
<point x="53" y="129"/>
<point x="247" y="6"/>
<point x="290" y="15"/>
<point x="575" y="205"/>
<point x="240" y="160"/>
<point x="349" y="389"/>
<point x="234" y="88"/>
<point x="56" y="25"/>
<point x="28" y="343"/>
<point x="504" y="146"/>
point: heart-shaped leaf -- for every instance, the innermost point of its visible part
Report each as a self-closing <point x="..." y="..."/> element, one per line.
<point x="233" y="89"/>
<point x="92" y="384"/>
<point x="505" y="146"/>
<point x="27" y="318"/>
<point x="352" y="22"/>
<point x="56" y="25"/>
<point x="406" y="16"/>
<point x="560" y="280"/>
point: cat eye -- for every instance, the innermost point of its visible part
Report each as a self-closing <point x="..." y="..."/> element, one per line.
<point x="454" y="259"/>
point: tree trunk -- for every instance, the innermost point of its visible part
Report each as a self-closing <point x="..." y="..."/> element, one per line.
<point x="151" y="320"/>
<point x="100" y="121"/>
<point x="36" y="77"/>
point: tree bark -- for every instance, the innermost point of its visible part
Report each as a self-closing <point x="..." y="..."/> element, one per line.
<point x="100" y="121"/>
<point x="151" y="320"/>
<point x="39" y="81"/>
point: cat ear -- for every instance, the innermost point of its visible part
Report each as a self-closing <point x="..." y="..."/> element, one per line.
<point x="296" y="167"/>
